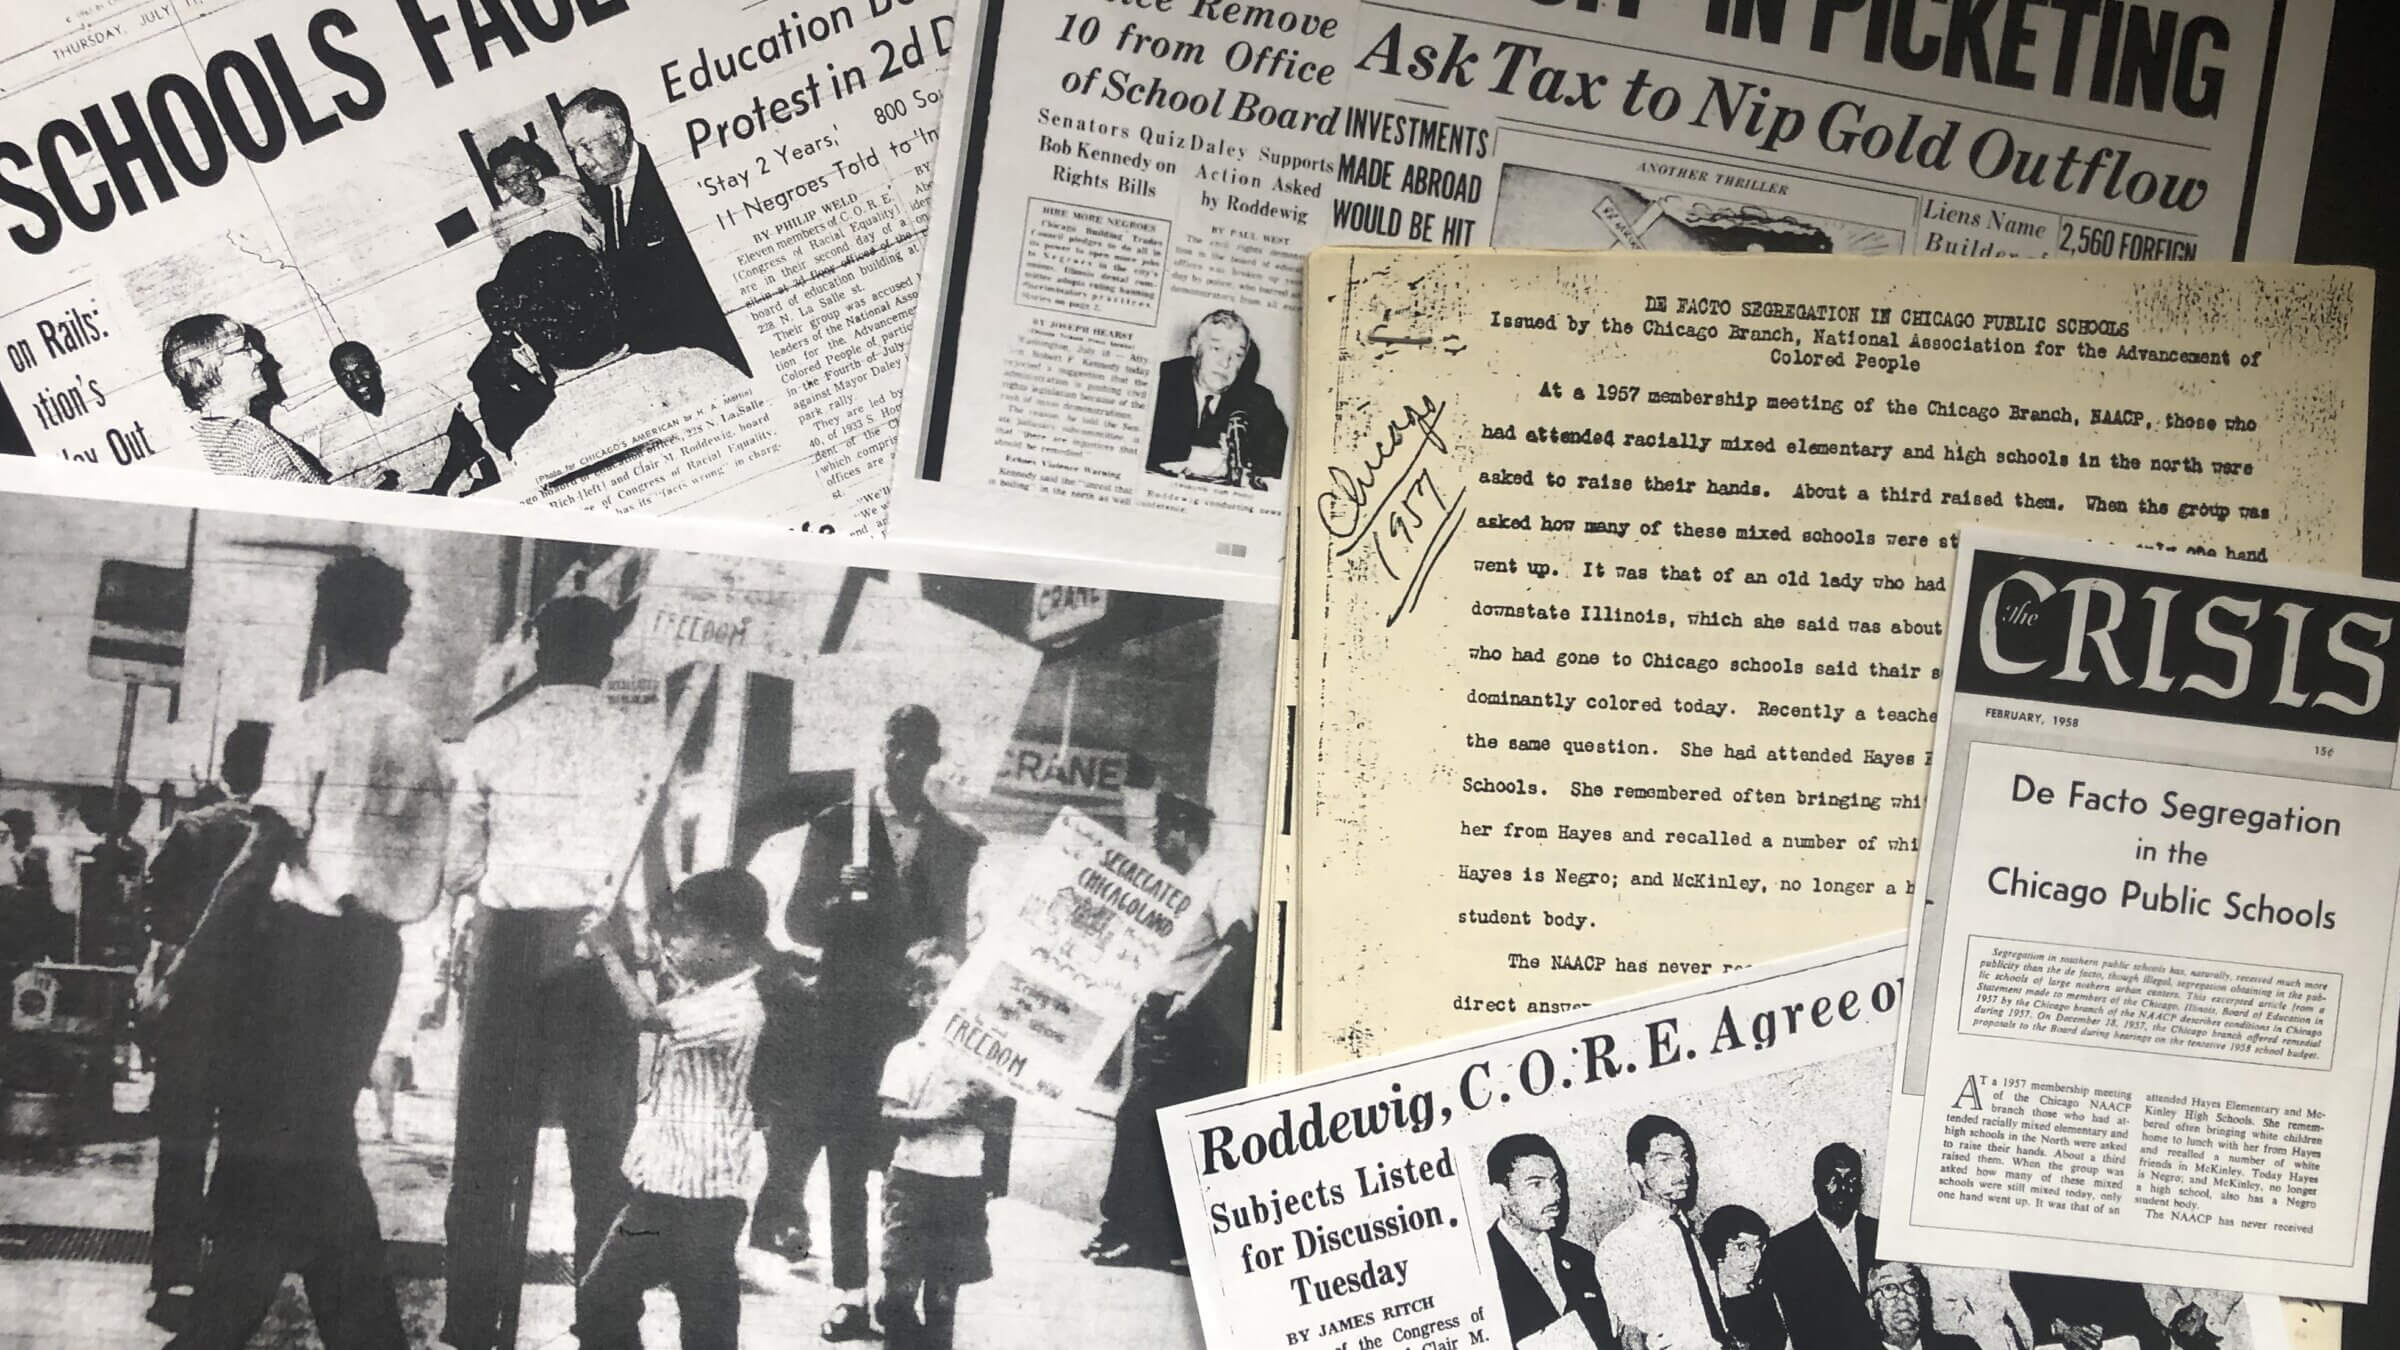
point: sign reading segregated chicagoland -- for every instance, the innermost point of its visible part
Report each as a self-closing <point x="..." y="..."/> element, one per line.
<point x="138" y="623"/>
<point x="1068" y="957"/>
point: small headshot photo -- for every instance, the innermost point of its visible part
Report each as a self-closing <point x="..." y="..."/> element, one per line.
<point x="1213" y="421"/>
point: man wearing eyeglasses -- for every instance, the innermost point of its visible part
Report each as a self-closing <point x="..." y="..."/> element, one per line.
<point x="1901" y="1303"/>
<point x="218" y="368"/>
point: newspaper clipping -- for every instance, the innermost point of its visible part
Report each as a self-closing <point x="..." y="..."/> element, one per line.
<point x="1676" y="1172"/>
<point x="485" y="922"/>
<point x="1107" y="358"/>
<point x="2150" y="1029"/>
<point x="618" y="254"/>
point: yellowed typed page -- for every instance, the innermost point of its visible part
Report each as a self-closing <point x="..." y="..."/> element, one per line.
<point x="1623" y="579"/>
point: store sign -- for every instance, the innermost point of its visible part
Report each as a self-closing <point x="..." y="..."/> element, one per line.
<point x="1060" y="612"/>
<point x="1062" y="773"/>
<point x="138" y="623"/>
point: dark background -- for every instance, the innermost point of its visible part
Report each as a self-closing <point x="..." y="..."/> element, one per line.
<point x="2352" y="215"/>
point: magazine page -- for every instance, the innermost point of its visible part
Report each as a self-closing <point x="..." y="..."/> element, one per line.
<point x="1677" y="1170"/>
<point x="2150" y="1024"/>
<point x="344" y="831"/>
<point x="1108" y="355"/>
<point x="1615" y="673"/>
<point x="631" y="257"/>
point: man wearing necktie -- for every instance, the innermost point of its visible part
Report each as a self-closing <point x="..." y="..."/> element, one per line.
<point x="1661" y="1285"/>
<point x="664" y="300"/>
<point x="1544" y="1279"/>
<point x="1212" y="418"/>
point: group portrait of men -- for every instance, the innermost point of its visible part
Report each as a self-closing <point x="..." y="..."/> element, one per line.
<point x="598" y="320"/>
<point x="1669" y="1276"/>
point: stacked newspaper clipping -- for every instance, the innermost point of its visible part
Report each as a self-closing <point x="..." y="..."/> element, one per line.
<point x="2150" y="1024"/>
<point x="1672" y="1171"/>
<point x="1626" y="604"/>
<point x="624" y="256"/>
<point x="1107" y="357"/>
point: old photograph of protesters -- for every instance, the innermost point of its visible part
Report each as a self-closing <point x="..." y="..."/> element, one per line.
<point x="687" y="1162"/>
<point x="949" y="1126"/>
<point x="863" y="912"/>
<point x="186" y="1040"/>
<point x="30" y="923"/>
<point x="345" y="845"/>
<point x="310" y="1121"/>
<point x="542" y="784"/>
<point x="1713" y="1224"/>
<point x="1212" y="420"/>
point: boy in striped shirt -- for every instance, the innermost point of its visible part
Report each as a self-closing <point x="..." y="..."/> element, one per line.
<point x="689" y="1158"/>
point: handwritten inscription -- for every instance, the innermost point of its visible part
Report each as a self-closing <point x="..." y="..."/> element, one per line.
<point x="1404" y="517"/>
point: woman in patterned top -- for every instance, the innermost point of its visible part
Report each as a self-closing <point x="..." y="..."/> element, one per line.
<point x="218" y="368"/>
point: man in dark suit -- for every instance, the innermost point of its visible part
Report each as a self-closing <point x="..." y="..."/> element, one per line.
<point x="1210" y="399"/>
<point x="1900" y="1304"/>
<point x="1818" y="1266"/>
<point x="861" y="904"/>
<point x="1543" y="1277"/>
<point x="513" y="385"/>
<point x="664" y="300"/>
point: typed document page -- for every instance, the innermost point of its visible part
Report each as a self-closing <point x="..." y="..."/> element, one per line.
<point x="1624" y="582"/>
<point x="2149" y="1022"/>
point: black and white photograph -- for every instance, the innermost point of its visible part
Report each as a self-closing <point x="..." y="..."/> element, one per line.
<point x="432" y="938"/>
<point x="1213" y="421"/>
<point x="1537" y="207"/>
<point x="558" y="310"/>
<point x="1739" y="1216"/>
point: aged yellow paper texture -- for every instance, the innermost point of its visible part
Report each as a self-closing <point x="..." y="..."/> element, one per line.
<point x="1622" y="580"/>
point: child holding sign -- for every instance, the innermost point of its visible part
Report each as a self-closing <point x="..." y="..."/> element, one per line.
<point x="936" y="1235"/>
